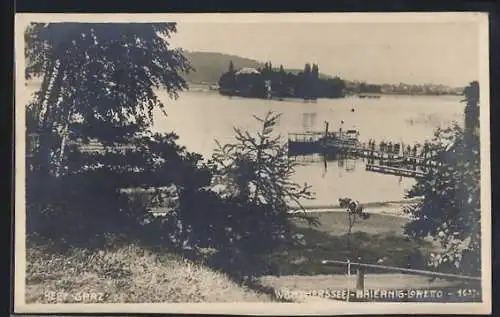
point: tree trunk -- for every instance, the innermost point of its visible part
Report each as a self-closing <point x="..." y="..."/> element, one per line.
<point x="349" y="229"/>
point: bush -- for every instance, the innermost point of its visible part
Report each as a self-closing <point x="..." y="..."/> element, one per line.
<point x="246" y="220"/>
<point x="82" y="205"/>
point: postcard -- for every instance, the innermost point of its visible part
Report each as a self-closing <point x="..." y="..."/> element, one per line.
<point x="252" y="164"/>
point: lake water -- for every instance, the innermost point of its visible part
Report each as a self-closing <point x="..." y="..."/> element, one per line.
<point x="199" y="118"/>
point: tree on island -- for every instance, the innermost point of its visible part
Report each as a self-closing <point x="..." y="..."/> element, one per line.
<point x="314" y="81"/>
<point x="267" y="70"/>
<point x="305" y="84"/>
<point x="227" y="81"/>
<point x="280" y="84"/>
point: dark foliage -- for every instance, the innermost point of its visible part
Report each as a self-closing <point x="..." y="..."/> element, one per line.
<point x="98" y="81"/>
<point x="450" y="211"/>
<point x="98" y="88"/>
<point x="306" y="84"/>
<point x="99" y="84"/>
<point x="254" y="176"/>
<point x="93" y="200"/>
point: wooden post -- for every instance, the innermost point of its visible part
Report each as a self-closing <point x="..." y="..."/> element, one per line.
<point x="348" y="279"/>
<point x="360" y="279"/>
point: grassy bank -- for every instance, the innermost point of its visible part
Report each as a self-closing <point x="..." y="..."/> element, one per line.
<point x="127" y="275"/>
<point x="386" y="248"/>
<point x="334" y="223"/>
<point x="378" y="239"/>
<point x="132" y="274"/>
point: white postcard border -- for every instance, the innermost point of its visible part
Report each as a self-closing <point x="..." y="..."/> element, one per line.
<point x="22" y="20"/>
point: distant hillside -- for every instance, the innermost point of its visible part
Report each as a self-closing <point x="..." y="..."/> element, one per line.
<point x="210" y="66"/>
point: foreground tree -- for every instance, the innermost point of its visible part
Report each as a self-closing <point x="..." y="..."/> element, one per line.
<point x="255" y="175"/>
<point x="98" y="80"/>
<point x="450" y="210"/>
<point x="257" y="169"/>
<point x="98" y="83"/>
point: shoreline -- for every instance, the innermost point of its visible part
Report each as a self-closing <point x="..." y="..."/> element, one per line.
<point x="199" y="87"/>
<point x="371" y="204"/>
<point x="387" y="208"/>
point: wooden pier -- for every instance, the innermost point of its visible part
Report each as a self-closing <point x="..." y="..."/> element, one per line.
<point x="386" y="158"/>
<point x="361" y="151"/>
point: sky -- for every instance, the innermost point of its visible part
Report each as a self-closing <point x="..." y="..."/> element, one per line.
<point x="414" y="53"/>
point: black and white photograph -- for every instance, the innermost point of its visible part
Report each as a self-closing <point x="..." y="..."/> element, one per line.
<point x="252" y="163"/>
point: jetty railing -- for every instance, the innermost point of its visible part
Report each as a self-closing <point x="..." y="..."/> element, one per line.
<point x="392" y="158"/>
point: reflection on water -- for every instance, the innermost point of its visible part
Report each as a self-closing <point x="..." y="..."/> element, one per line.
<point x="343" y="176"/>
<point x="344" y="162"/>
<point x="309" y="120"/>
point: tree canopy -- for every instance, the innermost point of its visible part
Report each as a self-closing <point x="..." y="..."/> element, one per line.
<point x="99" y="79"/>
<point x="99" y="82"/>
